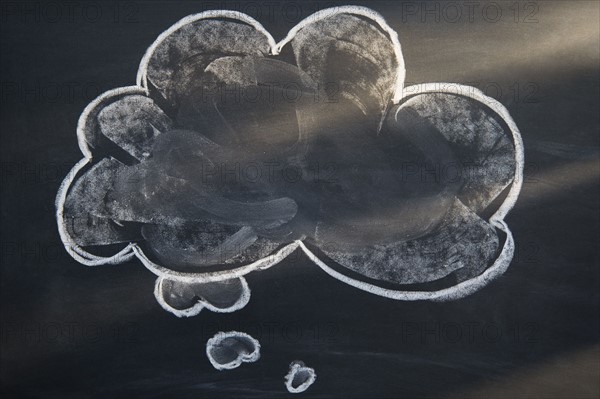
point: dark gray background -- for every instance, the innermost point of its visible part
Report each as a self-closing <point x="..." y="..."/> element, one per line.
<point x="72" y="331"/>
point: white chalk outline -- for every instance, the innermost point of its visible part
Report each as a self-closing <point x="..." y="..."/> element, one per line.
<point x="466" y="287"/>
<point x="363" y="12"/>
<point x="220" y="275"/>
<point x="462" y="289"/>
<point x="76" y="252"/>
<point x="142" y="78"/>
<point x="295" y="368"/>
<point x="244" y="358"/>
<point x="201" y="304"/>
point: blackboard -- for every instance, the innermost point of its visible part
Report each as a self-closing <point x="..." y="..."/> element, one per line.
<point x="75" y="331"/>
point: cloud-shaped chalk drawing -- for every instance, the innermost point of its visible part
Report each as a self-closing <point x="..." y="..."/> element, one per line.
<point x="232" y="150"/>
<point x="228" y="350"/>
<point x="299" y="377"/>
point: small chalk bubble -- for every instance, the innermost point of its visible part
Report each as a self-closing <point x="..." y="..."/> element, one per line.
<point x="228" y="350"/>
<point x="299" y="377"/>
